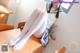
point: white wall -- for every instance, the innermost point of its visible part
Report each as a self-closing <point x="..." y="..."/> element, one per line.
<point x="67" y="32"/>
<point x="25" y="8"/>
<point x="12" y="5"/>
<point x="68" y="29"/>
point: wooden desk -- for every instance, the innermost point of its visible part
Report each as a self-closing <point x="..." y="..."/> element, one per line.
<point x="32" y="46"/>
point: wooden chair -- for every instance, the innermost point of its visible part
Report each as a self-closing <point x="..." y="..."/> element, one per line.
<point x="61" y="50"/>
<point x="3" y="18"/>
<point x="4" y="27"/>
<point x="4" y="13"/>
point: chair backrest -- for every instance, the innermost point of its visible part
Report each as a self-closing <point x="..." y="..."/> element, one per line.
<point x="4" y="12"/>
<point x="3" y="18"/>
<point x="61" y="50"/>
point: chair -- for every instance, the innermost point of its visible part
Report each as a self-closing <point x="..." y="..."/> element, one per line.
<point x="4" y="27"/>
<point x="3" y="18"/>
<point x="4" y="13"/>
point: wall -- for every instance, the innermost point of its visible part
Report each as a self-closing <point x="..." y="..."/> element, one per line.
<point x="25" y="8"/>
<point x="68" y="30"/>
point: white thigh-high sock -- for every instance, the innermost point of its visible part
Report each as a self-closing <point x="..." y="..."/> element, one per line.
<point x="26" y="28"/>
<point x="38" y="34"/>
<point x="35" y="27"/>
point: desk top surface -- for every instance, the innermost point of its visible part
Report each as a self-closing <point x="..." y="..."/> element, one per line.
<point x="31" y="45"/>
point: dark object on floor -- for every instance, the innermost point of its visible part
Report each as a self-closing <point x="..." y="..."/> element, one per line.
<point x="4" y="48"/>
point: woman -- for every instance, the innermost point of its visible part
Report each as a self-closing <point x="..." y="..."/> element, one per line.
<point x="37" y="23"/>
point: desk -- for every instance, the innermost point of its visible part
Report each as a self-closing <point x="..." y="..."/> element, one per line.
<point x="32" y="46"/>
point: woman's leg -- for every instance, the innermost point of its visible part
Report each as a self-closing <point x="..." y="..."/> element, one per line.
<point x="35" y="27"/>
<point x="27" y="26"/>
